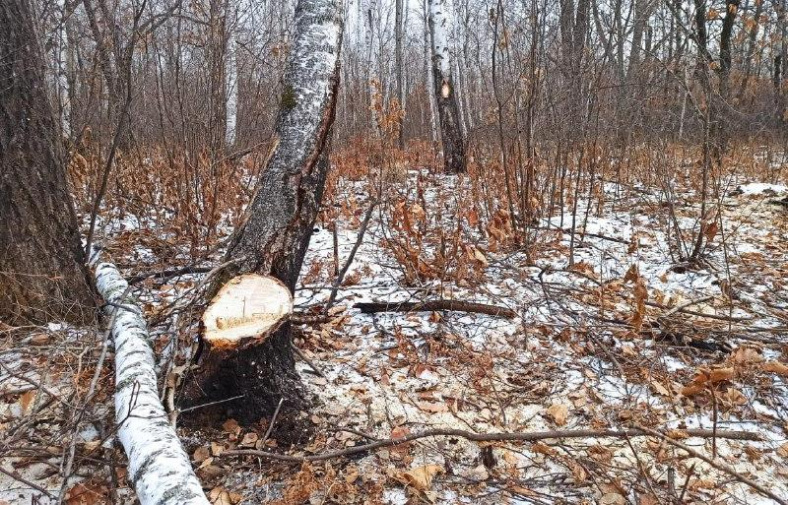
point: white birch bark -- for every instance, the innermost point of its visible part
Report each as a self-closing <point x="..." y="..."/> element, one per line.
<point x="231" y="81"/>
<point x="59" y="55"/>
<point x="158" y="466"/>
<point x="430" y="76"/>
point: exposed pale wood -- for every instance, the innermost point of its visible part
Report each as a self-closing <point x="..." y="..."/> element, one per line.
<point x="249" y="306"/>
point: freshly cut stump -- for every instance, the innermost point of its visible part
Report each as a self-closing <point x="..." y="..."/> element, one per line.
<point x="246" y="363"/>
<point x="249" y="306"/>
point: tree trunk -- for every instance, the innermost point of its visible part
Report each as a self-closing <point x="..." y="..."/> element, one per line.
<point x="43" y="276"/>
<point x="159" y="468"/>
<point x="231" y="78"/>
<point x="278" y="224"/>
<point x="445" y="93"/>
<point x="398" y="56"/>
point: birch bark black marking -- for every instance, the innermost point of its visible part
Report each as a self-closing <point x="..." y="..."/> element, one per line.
<point x="445" y="93"/>
<point x="275" y="232"/>
<point x="159" y="468"/>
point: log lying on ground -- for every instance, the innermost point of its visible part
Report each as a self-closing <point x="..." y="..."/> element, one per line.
<point x="159" y="468"/>
<point x="434" y="305"/>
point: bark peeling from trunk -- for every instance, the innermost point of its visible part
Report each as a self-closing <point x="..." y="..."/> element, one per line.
<point x="158" y="466"/>
<point x="275" y="232"/>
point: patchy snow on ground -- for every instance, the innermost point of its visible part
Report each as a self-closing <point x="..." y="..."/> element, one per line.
<point x="616" y="329"/>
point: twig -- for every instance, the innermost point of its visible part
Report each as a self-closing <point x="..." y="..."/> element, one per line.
<point x="307" y="360"/>
<point x="683" y="306"/>
<point x="21" y="479"/>
<point x="719" y="466"/>
<point x="487" y="437"/>
<point x="435" y="305"/>
<point x="273" y="421"/>
<point x="341" y="275"/>
<point x="224" y="400"/>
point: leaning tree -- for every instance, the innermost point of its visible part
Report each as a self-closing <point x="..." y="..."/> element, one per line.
<point x="43" y="276"/>
<point x="246" y="365"/>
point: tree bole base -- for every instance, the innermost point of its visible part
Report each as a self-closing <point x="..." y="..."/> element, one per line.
<point x="260" y="374"/>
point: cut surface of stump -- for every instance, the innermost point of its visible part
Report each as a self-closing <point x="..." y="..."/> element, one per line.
<point x="246" y="365"/>
<point x="249" y="306"/>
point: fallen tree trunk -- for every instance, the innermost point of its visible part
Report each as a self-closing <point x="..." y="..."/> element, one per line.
<point x="434" y="305"/>
<point x="159" y="468"/>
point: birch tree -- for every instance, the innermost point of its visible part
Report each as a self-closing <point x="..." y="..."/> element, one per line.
<point x="43" y="276"/>
<point x="445" y="92"/>
<point x="277" y="226"/>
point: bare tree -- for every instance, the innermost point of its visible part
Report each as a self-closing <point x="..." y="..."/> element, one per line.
<point x="42" y="265"/>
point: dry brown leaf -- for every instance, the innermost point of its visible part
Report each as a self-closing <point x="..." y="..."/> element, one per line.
<point x="26" y="400"/>
<point x="558" y="413"/>
<point x="201" y="454"/>
<point x="232" y="427"/>
<point x="216" y="449"/>
<point x="721" y="374"/>
<point x="421" y="477"/>
<point x="612" y="499"/>
<point x="776" y="367"/>
<point x="220" y="496"/>
<point x="648" y="499"/>
<point x="542" y="448"/>
<point x="659" y="388"/>
<point x="747" y="356"/>
<point x="249" y="439"/>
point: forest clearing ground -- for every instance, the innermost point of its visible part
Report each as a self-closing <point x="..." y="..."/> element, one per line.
<point x="597" y="345"/>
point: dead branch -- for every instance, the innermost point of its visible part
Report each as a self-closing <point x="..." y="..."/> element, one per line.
<point x="436" y="305"/>
<point x="491" y="437"/>
<point x="717" y="465"/>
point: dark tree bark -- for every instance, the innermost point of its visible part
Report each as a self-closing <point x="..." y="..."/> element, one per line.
<point x="278" y="224"/>
<point x="445" y="93"/>
<point x="42" y="272"/>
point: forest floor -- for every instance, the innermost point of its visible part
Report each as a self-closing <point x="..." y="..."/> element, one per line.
<point x="612" y="332"/>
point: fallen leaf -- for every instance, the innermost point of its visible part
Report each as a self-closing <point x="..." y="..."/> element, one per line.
<point x="558" y="413"/>
<point x="232" y="427"/>
<point x="776" y="367"/>
<point x="612" y="499"/>
<point x="26" y="400"/>
<point x="201" y="454"/>
<point x="432" y="407"/>
<point x="249" y="439"/>
<point x="421" y="477"/>
<point x="659" y="388"/>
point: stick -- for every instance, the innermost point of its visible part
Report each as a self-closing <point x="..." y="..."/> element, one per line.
<point x="719" y="466"/>
<point x="487" y="437"/>
<point x="434" y="305"/>
<point x="341" y="275"/>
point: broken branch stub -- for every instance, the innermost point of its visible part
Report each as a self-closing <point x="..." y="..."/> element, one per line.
<point x="248" y="308"/>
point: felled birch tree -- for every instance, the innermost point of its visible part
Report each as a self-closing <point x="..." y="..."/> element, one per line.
<point x="258" y="369"/>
